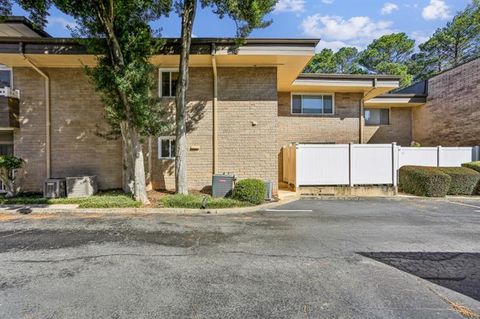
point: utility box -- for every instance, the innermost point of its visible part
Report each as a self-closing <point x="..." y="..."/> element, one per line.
<point x="81" y="186"/>
<point x="222" y="184"/>
<point x="54" y="188"/>
<point x="268" y="190"/>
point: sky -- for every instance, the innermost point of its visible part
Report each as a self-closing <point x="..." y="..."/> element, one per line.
<point x="337" y="23"/>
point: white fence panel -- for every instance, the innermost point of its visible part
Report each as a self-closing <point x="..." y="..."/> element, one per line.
<point x="372" y="164"/>
<point x="455" y="156"/>
<point x="322" y="165"/>
<point x="419" y="156"/>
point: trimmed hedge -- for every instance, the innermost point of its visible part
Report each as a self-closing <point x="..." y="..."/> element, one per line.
<point x="424" y="181"/>
<point x="464" y="180"/>
<point x="250" y="190"/>
<point x="475" y="166"/>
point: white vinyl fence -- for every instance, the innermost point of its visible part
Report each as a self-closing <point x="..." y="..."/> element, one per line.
<point x="363" y="164"/>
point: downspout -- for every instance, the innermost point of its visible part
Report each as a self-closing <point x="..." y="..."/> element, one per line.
<point x="361" y="108"/>
<point x="214" y="112"/>
<point x="48" y="152"/>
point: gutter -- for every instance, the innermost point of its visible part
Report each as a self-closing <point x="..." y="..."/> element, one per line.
<point x="48" y="150"/>
<point x="214" y="111"/>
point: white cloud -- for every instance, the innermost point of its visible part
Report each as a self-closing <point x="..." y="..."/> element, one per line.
<point x="328" y="1"/>
<point x="62" y="22"/>
<point x="337" y="31"/>
<point x="420" y="36"/>
<point x="388" y="8"/>
<point x="290" y="6"/>
<point x="437" y="9"/>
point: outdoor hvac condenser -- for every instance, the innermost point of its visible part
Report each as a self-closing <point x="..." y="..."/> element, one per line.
<point x="222" y="184"/>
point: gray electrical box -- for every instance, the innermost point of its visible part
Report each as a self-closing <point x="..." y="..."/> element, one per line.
<point x="54" y="188"/>
<point x="81" y="186"/>
<point x="222" y="184"/>
<point x="268" y="190"/>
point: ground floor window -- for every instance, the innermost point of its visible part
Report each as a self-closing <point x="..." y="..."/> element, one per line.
<point x="166" y="147"/>
<point x="6" y="142"/>
<point x="377" y="116"/>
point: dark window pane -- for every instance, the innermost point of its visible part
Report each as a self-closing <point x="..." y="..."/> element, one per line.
<point x="297" y="104"/>
<point x="5" y="78"/>
<point x="165" y="83"/>
<point x="312" y="104"/>
<point x="174" y="83"/>
<point x="384" y="116"/>
<point x="6" y="149"/>
<point x="172" y="148"/>
<point x="328" y="104"/>
<point x="165" y="149"/>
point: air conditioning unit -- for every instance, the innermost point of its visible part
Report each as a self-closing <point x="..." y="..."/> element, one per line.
<point x="222" y="184"/>
<point x="81" y="186"/>
<point x="54" y="188"/>
<point x="268" y="190"/>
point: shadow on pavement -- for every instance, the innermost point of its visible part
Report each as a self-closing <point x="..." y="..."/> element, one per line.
<point x="456" y="271"/>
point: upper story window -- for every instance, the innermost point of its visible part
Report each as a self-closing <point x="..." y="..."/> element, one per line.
<point x="168" y="82"/>
<point x="316" y="104"/>
<point x="5" y="77"/>
<point x="377" y="116"/>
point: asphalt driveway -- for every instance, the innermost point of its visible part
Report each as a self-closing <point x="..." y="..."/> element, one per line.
<point x="309" y="259"/>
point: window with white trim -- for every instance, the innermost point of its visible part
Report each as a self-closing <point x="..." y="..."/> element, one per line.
<point x="374" y="117"/>
<point x="5" y="77"/>
<point x="166" y="147"/>
<point x="316" y="104"/>
<point x="168" y="82"/>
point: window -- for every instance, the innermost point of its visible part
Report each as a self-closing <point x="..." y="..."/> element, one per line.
<point x="5" y="77"/>
<point x="312" y="104"/>
<point x="377" y="116"/>
<point x="6" y="142"/>
<point x="168" y="82"/>
<point x="166" y="147"/>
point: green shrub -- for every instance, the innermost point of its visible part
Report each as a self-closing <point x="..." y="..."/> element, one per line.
<point x="474" y="166"/>
<point x="199" y="201"/>
<point x="424" y="181"/>
<point x="250" y="190"/>
<point x="464" y="180"/>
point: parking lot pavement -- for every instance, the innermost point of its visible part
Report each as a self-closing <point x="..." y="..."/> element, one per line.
<point x="373" y="258"/>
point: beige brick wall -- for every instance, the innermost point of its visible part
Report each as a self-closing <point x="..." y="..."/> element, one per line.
<point x="452" y="113"/>
<point x="399" y="130"/>
<point x="342" y="127"/>
<point x="244" y="95"/>
<point x="76" y="119"/>
<point x="199" y="96"/>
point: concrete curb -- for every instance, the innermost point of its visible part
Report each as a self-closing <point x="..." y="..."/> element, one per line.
<point x="51" y="209"/>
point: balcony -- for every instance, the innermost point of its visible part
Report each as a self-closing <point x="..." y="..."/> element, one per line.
<point x="9" y="108"/>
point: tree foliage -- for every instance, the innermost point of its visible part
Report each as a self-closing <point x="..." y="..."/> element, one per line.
<point x="8" y="164"/>
<point x="118" y="32"/>
<point x="395" y="54"/>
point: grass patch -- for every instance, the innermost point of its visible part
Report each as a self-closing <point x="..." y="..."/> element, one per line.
<point x="197" y="201"/>
<point x="110" y="199"/>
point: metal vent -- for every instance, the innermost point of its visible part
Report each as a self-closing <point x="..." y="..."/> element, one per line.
<point x="54" y="188"/>
<point x="82" y="186"/>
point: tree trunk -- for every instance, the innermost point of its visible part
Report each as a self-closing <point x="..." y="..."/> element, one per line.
<point x="6" y="177"/>
<point x="188" y="17"/>
<point x="133" y="164"/>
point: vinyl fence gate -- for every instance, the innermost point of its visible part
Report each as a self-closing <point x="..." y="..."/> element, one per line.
<point x="363" y="164"/>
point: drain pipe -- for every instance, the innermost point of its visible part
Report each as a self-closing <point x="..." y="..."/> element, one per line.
<point x="361" y="108"/>
<point x="48" y="152"/>
<point x="214" y="111"/>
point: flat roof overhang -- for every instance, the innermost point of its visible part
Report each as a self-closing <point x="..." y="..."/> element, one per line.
<point x="370" y="85"/>
<point x="397" y="100"/>
<point x="289" y="56"/>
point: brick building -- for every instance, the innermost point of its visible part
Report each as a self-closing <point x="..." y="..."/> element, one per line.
<point x="243" y="108"/>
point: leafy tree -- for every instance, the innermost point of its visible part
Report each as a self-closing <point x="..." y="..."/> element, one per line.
<point x="119" y="33"/>
<point x="322" y="62"/>
<point x="347" y="61"/>
<point x="247" y="15"/>
<point x="452" y="44"/>
<point x="389" y="54"/>
<point x="8" y="164"/>
<point x="343" y="61"/>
